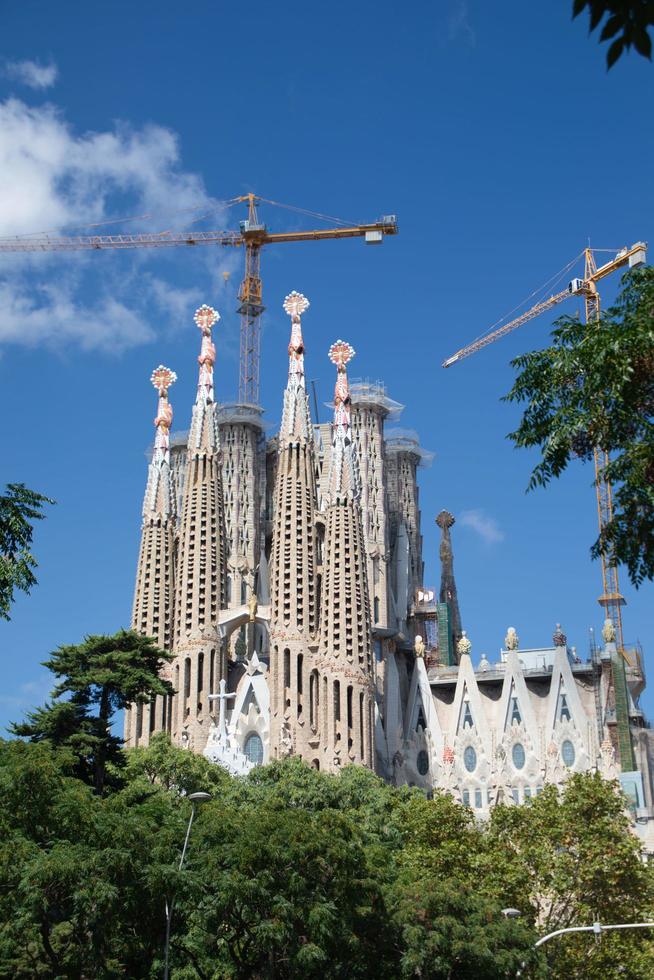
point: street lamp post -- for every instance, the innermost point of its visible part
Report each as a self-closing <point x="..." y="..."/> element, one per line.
<point x="596" y="928"/>
<point x="194" y="798"/>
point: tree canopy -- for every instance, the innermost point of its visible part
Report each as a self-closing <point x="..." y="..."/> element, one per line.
<point x="291" y="873"/>
<point x="294" y="874"/>
<point x="594" y="386"/>
<point x="97" y="678"/>
<point x="19" y="508"/>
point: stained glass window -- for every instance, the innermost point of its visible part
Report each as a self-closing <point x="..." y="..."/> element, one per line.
<point x="518" y="755"/>
<point x="470" y="758"/>
<point x="568" y="753"/>
<point x="422" y="763"/>
<point x="254" y="749"/>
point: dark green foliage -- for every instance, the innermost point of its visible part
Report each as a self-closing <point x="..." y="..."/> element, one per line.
<point x="293" y="874"/>
<point x="594" y="386"/>
<point x="19" y="507"/>
<point x="97" y="678"/>
<point x="627" y="23"/>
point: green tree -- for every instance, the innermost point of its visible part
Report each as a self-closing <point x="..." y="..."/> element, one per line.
<point x="627" y="23"/>
<point x="97" y="678"/>
<point x="594" y="386"/>
<point x="565" y="860"/>
<point x="19" y="507"/>
<point x="82" y="876"/>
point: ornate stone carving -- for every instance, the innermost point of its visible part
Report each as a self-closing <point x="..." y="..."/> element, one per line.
<point x="464" y="646"/>
<point x="608" y="631"/>
<point x="559" y="639"/>
<point x="511" y="640"/>
<point x="419" y="646"/>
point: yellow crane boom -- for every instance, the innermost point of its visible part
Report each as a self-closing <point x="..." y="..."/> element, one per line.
<point x="585" y="287"/>
<point x="252" y="236"/>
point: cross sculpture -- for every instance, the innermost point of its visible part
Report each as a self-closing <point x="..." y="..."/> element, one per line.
<point x="222" y="697"/>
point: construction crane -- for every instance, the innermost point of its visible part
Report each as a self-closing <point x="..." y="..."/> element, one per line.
<point x="611" y="598"/>
<point x="252" y="236"/>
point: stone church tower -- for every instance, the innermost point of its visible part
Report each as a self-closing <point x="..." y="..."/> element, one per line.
<point x="293" y="567"/>
<point x="346" y="664"/>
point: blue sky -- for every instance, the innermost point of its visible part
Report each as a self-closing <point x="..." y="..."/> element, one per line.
<point x="492" y="130"/>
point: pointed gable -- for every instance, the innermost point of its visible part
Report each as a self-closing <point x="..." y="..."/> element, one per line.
<point x="564" y="704"/>
<point x="515" y="704"/>
<point x="467" y="708"/>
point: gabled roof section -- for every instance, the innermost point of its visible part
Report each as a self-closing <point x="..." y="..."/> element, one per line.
<point x="563" y="682"/>
<point x="467" y="690"/>
<point x="515" y="694"/>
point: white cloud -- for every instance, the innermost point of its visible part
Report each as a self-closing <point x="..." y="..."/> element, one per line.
<point x="459" y="23"/>
<point x="32" y="73"/>
<point x="486" y="527"/>
<point x="54" y="179"/>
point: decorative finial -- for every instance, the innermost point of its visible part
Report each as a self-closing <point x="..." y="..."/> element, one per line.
<point x="295" y="304"/>
<point x="162" y="378"/>
<point x="445" y="520"/>
<point x="464" y="646"/>
<point x="205" y="317"/>
<point x="340" y="353"/>
<point x="608" y="630"/>
<point x="419" y="646"/>
<point x="484" y="663"/>
<point x="511" y="640"/>
<point x="559" y="639"/>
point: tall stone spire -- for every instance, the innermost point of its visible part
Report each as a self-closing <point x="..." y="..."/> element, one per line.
<point x="448" y="594"/>
<point x="153" y="607"/>
<point x="204" y="430"/>
<point x="294" y="710"/>
<point x="200" y="661"/>
<point x="345" y="639"/>
<point x="296" y="419"/>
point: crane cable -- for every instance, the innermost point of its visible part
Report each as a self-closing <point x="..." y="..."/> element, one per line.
<point x="551" y="282"/>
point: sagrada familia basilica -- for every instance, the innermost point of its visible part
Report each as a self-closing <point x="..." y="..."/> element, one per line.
<point x="285" y="575"/>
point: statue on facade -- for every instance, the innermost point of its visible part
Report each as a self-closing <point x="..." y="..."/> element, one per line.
<point x="252" y="607"/>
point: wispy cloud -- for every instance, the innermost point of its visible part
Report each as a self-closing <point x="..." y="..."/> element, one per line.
<point x="32" y="73"/>
<point x="482" y="524"/>
<point x="54" y="179"/>
<point x="459" y="25"/>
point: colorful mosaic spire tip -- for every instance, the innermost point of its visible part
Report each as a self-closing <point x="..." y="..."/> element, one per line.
<point x="162" y="378"/>
<point x="205" y="317"/>
<point x="295" y="304"/>
<point x="340" y="353"/>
